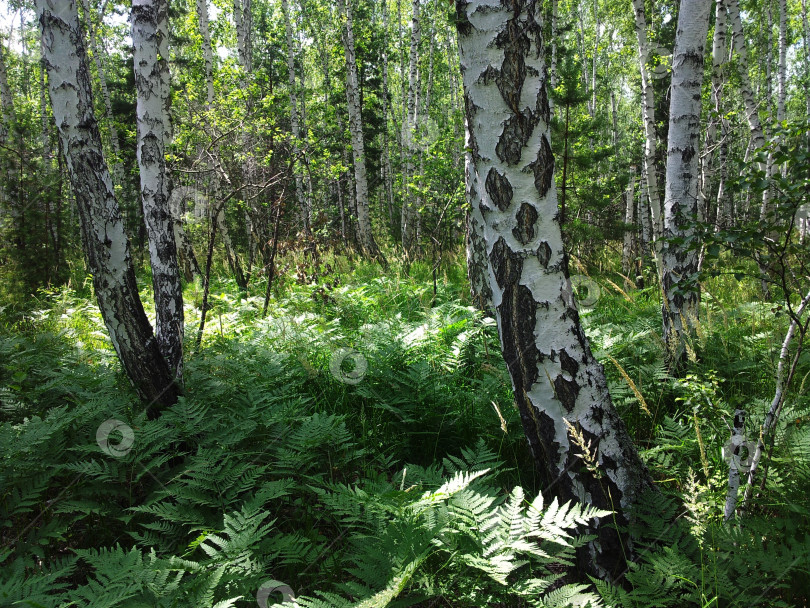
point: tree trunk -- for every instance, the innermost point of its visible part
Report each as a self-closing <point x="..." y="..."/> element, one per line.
<point x="388" y="177"/>
<point x="105" y="241"/>
<point x="715" y="115"/>
<point x="650" y="138"/>
<point x="408" y="218"/>
<point x="149" y="37"/>
<point x="303" y="200"/>
<point x="629" y="220"/>
<point x="681" y="299"/>
<point x="365" y="234"/>
<point x="559" y="387"/>
<point x="117" y="168"/>
<point x="476" y="247"/>
<point x="746" y="92"/>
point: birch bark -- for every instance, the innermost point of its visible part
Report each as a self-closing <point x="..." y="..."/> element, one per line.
<point x="388" y="176"/>
<point x="681" y="298"/>
<point x="408" y="217"/>
<point x="150" y="41"/>
<point x="559" y="387"/>
<point x="650" y="138"/>
<point x="105" y="241"/>
<point x="365" y="234"/>
<point x="302" y="198"/>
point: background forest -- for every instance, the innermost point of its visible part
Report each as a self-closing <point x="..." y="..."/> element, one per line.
<point x="342" y="427"/>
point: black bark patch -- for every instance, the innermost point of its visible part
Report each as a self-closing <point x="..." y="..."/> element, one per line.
<point x="516" y="132"/>
<point x="544" y="254"/>
<point x="543" y="167"/>
<point x="471" y="110"/>
<point x="499" y="189"/>
<point x="515" y="44"/>
<point x="568" y="363"/>
<point x="566" y="392"/>
<point x="525" y="230"/>
<point x="543" y="107"/>
<point x="506" y="267"/>
<point x="688" y="154"/>
<point x="463" y="24"/>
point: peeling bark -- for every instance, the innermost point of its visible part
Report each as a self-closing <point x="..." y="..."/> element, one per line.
<point x="150" y="40"/>
<point x="554" y="374"/>
<point x="105" y="241"/>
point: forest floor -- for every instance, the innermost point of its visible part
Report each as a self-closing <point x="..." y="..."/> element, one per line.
<point x="359" y="446"/>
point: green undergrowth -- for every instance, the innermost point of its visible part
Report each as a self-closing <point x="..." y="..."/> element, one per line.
<point x="359" y="444"/>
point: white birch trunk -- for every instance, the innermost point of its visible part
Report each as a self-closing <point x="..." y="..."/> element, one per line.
<point x="388" y="176"/>
<point x="476" y="246"/>
<point x="150" y="39"/>
<point x="719" y="58"/>
<point x="650" y="138"/>
<point x="681" y="301"/>
<point x="105" y="241"/>
<point x="303" y="200"/>
<point x="629" y="220"/>
<point x="555" y="377"/>
<point x="365" y="235"/>
<point x="409" y="211"/>
<point x="781" y="70"/>
<point x="746" y="92"/>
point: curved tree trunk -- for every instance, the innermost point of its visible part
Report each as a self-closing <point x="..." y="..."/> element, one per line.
<point x="559" y="387"/>
<point x="105" y="241"/>
<point x="681" y="298"/>
<point x="150" y="40"/>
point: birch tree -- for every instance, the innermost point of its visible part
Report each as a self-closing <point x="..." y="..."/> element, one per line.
<point x="681" y="296"/>
<point x="150" y="41"/>
<point x="574" y="432"/>
<point x="409" y="211"/>
<point x="302" y="198"/>
<point x="102" y="227"/>
<point x="365" y="235"/>
<point x="650" y="138"/>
